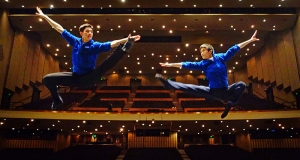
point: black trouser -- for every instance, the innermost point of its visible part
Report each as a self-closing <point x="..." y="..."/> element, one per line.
<point x="52" y="80"/>
<point x="232" y="93"/>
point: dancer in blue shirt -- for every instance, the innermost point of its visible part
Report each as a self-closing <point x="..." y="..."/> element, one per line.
<point x="214" y="67"/>
<point x="84" y="54"/>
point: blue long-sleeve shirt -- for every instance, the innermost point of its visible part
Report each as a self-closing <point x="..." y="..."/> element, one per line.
<point x="215" y="70"/>
<point x="84" y="55"/>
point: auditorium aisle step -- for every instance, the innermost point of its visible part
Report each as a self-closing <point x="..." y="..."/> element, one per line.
<point x="183" y="154"/>
<point x="122" y="155"/>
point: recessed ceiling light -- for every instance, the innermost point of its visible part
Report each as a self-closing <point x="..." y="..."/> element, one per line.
<point x="51" y="6"/>
<point x="129" y="20"/>
<point x="123" y="0"/>
<point x="264" y="20"/>
<point x="163" y="26"/>
<point x="152" y="29"/>
<point x="167" y="5"/>
<point x="205" y="26"/>
<point x="185" y="26"/>
<point x="170" y="31"/>
<point x="252" y="26"/>
<point x="133" y="31"/>
<point x="23" y="6"/>
<point x="82" y="6"/>
<point x="195" y="5"/>
<point x="138" y="5"/>
<point x="178" y="49"/>
<point x="111" y="29"/>
<point x="55" y="54"/>
<point x="119" y="26"/>
<point x="220" y="19"/>
<point x="141" y="26"/>
<point x="221" y="45"/>
<point x="186" y="44"/>
<point x="127" y="71"/>
<point x="48" y="45"/>
<point x="279" y="5"/>
<point x="221" y="5"/>
<point x="251" y="5"/>
<point x="109" y="6"/>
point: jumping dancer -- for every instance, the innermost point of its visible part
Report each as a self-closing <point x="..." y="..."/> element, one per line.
<point x="215" y="71"/>
<point x="84" y="55"/>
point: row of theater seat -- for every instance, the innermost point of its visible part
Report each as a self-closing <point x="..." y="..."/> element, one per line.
<point x="111" y="152"/>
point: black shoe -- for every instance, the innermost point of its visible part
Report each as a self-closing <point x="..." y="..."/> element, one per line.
<point x="57" y="106"/>
<point x="126" y="47"/>
<point x="227" y="109"/>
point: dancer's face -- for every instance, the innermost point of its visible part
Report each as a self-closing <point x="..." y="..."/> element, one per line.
<point x="205" y="53"/>
<point x="87" y="34"/>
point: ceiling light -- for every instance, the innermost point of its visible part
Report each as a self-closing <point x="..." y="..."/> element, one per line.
<point x="152" y="67"/>
<point x="251" y="5"/>
<point x="174" y="20"/>
<point x="40" y="19"/>
<point x="236" y="62"/>
<point x="138" y="5"/>
<point x="129" y="20"/>
<point x="66" y="63"/>
<point x="140" y="71"/>
<point x="109" y="6"/>
<point x="152" y="54"/>
<point x="220" y="19"/>
<point x="141" y="26"/>
<point x="111" y="29"/>
<point x="163" y="26"/>
<point x="85" y="20"/>
<point x="221" y="5"/>
<point x="55" y="54"/>
<point x="178" y="49"/>
<point x="166" y="6"/>
<point x="279" y="5"/>
<point x="152" y="29"/>
<point x="221" y="45"/>
<point x="243" y="31"/>
<point x="229" y="71"/>
<point x="206" y="32"/>
<point x="165" y="71"/>
<point x="186" y="44"/>
<point x="252" y="26"/>
<point x="82" y="6"/>
<point x="170" y="31"/>
<point x="133" y="31"/>
<point x="23" y="6"/>
<point x="264" y="20"/>
<point x="65" y="0"/>
<point x="48" y="45"/>
<point x="125" y="67"/>
<point x="138" y="63"/>
<point x="231" y="26"/>
<point x="123" y="0"/>
<point x="205" y="26"/>
<point x="195" y="5"/>
<point x="51" y="6"/>
<point x="177" y="71"/>
<point x="185" y="26"/>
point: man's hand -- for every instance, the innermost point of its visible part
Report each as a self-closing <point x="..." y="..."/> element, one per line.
<point x="253" y="38"/>
<point x="166" y="64"/>
<point x="39" y="12"/>
<point x="136" y="38"/>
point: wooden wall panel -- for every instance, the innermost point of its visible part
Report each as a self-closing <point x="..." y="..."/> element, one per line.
<point x="22" y="61"/>
<point x="40" y="71"/>
<point x="276" y="61"/>
<point x="35" y="63"/>
<point x="296" y="40"/>
<point x="275" y="143"/>
<point x="14" y="61"/>
<point x="264" y="64"/>
<point x="282" y="60"/>
<point x="259" y="67"/>
<point x="29" y="61"/>
<point x="291" y="61"/>
<point x="56" y="66"/>
<point x="46" y="64"/>
<point x="270" y="64"/>
<point x="149" y="142"/>
<point x="12" y="143"/>
<point x="251" y="67"/>
<point x="51" y="65"/>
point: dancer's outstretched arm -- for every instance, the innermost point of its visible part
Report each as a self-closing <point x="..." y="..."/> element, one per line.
<point x="115" y="43"/>
<point x="55" y="25"/>
<point x="177" y="65"/>
<point x="252" y="39"/>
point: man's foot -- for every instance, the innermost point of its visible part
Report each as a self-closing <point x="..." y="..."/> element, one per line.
<point x="227" y="109"/>
<point x="126" y="47"/>
<point x="157" y="75"/>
